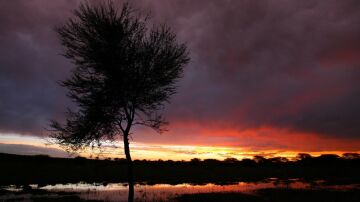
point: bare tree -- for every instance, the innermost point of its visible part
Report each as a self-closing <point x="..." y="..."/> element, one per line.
<point x="125" y="71"/>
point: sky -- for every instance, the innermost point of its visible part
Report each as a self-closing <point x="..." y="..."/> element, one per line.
<point x="273" y="78"/>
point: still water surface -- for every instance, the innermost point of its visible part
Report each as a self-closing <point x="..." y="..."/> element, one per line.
<point x="166" y="192"/>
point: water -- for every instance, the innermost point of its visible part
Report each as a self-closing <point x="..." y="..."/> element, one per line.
<point x="166" y="192"/>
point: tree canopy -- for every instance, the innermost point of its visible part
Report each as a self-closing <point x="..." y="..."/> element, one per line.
<point x="125" y="71"/>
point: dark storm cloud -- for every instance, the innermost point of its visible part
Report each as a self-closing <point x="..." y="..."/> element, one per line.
<point x="30" y="64"/>
<point x="31" y="150"/>
<point x="283" y="64"/>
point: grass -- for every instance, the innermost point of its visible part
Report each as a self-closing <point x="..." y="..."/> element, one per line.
<point x="262" y="195"/>
<point x="278" y="195"/>
<point x="38" y="195"/>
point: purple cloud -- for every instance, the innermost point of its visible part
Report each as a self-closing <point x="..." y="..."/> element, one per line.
<point x="285" y="64"/>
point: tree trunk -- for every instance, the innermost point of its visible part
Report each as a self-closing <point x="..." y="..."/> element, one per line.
<point x="130" y="169"/>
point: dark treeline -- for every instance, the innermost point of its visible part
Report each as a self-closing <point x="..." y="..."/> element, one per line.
<point x="20" y="170"/>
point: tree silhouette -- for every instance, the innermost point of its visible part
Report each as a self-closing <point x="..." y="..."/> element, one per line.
<point x="351" y="156"/>
<point x="125" y="71"/>
<point x="303" y="156"/>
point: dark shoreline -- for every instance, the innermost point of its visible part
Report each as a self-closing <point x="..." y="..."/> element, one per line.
<point x="42" y="170"/>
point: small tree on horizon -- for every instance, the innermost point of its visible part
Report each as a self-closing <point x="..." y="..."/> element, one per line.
<point x="125" y="71"/>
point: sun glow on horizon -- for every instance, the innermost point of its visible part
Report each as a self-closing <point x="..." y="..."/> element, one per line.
<point x="148" y="151"/>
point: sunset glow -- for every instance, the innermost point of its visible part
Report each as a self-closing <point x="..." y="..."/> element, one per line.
<point x="151" y="151"/>
<point x="255" y="85"/>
